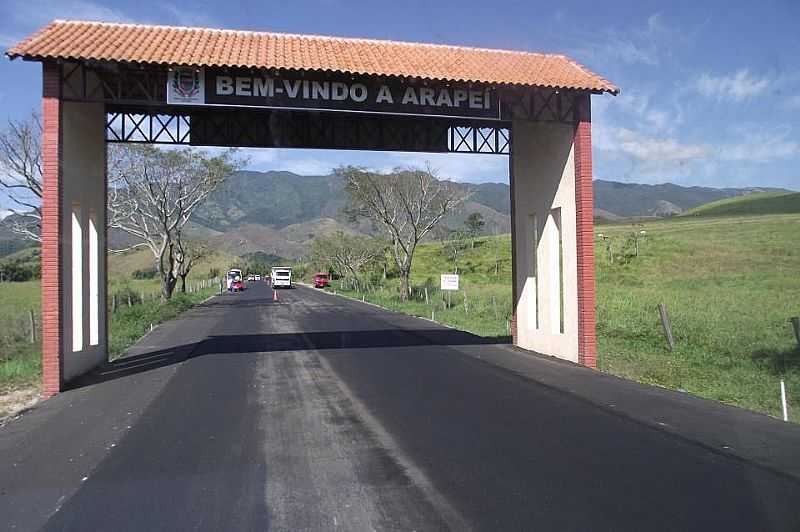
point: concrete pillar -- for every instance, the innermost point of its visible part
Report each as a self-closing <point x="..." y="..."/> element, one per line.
<point x="73" y="236"/>
<point x="552" y="243"/>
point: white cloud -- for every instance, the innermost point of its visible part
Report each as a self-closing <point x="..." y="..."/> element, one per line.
<point x="649" y="149"/>
<point x="761" y="147"/>
<point x="4" y="213"/>
<point x="642" y="45"/>
<point x="737" y="87"/>
<point x="638" y="105"/>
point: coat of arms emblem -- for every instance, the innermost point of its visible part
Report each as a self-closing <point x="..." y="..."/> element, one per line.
<point x="186" y="82"/>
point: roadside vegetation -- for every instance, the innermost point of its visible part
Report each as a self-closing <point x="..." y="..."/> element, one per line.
<point x="730" y="285"/>
<point x="134" y="294"/>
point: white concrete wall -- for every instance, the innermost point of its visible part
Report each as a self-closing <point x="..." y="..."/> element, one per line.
<point x="544" y="179"/>
<point x="84" y="196"/>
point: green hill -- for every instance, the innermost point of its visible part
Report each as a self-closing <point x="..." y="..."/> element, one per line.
<point x="756" y="203"/>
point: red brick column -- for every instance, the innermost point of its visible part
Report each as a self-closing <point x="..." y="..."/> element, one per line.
<point x="587" y="341"/>
<point x="51" y="231"/>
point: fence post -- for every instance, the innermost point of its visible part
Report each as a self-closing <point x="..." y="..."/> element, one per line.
<point x="113" y="303"/>
<point x="33" y="326"/>
<point x="662" y="311"/>
<point x="427" y="301"/>
<point x="784" y="407"/>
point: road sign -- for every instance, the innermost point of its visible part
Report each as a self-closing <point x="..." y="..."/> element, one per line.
<point x="449" y="281"/>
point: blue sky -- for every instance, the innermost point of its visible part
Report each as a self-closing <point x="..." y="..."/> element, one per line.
<point x="710" y="90"/>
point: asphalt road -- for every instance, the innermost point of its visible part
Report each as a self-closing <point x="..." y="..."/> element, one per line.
<point x="320" y="413"/>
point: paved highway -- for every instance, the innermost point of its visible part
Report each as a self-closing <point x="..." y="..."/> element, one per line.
<point x="319" y="413"/>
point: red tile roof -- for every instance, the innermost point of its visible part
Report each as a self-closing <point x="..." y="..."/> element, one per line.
<point x="167" y="45"/>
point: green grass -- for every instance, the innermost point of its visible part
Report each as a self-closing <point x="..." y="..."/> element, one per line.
<point x="129" y="324"/>
<point x="730" y="285"/>
<point x="749" y="204"/>
<point x="20" y="360"/>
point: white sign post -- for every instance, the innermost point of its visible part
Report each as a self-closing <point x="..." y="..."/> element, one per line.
<point x="449" y="283"/>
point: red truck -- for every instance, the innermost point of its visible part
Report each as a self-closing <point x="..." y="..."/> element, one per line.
<point x="321" y="280"/>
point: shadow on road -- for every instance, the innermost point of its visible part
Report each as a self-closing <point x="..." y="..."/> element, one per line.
<point x="268" y="343"/>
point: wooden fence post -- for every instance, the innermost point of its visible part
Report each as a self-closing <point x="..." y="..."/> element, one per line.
<point x="33" y="326"/>
<point x="662" y="311"/>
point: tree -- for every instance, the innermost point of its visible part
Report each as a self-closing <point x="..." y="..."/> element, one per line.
<point x="474" y="223"/>
<point x="454" y="247"/>
<point x="348" y="254"/>
<point x="405" y="204"/>
<point x="21" y="175"/>
<point x="187" y="255"/>
<point x="152" y="193"/>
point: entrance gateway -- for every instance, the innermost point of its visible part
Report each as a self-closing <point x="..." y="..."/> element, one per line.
<point x="107" y="82"/>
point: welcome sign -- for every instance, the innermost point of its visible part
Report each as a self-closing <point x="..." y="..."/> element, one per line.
<point x="190" y="86"/>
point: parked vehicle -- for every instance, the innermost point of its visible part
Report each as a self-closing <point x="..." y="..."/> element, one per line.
<point x="281" y="277"/>
<point x="321" y="280"/>
<point x="233" y="275"/>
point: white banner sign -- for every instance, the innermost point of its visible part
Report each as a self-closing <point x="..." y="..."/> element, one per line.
<point x="449" y="281"/>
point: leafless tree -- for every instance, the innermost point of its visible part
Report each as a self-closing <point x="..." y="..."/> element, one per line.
<point x="152" y="193"/>
<point x="21" y="175"/>
<point x="455" y="246"/>
<point x="347" y="254"/>
<point x="405" y="204"/>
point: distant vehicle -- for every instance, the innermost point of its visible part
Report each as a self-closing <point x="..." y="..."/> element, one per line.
<point x="233" y="275"/>
<point x="281" y="277"/>
<point x="258" y="277"/>
<point x="251" y="277"/>
<point x="321" y="280"/>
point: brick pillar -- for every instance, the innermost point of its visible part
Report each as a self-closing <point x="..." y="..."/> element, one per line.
<point x="52" y="364"/>
<point x="587" y="342"/>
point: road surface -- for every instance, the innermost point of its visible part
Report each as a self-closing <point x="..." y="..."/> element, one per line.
<point x="320" y="413"/>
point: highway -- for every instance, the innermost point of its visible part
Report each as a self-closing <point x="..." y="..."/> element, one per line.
<point x="320" y="413"/>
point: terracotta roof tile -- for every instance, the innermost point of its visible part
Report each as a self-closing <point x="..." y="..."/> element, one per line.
<point x="166" y="45"/>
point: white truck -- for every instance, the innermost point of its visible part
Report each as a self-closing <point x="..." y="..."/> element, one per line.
<point x="234" y="274"/>
<point x="281" y="277"/>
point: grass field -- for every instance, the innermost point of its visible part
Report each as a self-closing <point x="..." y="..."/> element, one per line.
<point x="20" y="363"/>
<point x="730" y="285"/>
<point x="20" y="359"/>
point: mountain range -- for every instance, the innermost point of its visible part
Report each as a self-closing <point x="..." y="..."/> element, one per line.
<point x="280" y="212"/>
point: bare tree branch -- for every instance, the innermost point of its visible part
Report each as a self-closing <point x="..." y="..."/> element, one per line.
<point x="153" y="194"/>
<point x="21" y="175"/>
<point x="405" y="204"/>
